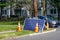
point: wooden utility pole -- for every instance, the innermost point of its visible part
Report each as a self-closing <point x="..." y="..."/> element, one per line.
<point x="35" y="8"/>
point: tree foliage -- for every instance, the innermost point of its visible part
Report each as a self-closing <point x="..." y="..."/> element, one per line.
<point x="56" y="3"/>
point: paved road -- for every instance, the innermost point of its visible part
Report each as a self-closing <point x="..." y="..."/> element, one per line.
<point x="48" y="36"/>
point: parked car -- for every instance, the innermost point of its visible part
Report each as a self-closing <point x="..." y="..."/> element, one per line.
<point x="52" y="23"/>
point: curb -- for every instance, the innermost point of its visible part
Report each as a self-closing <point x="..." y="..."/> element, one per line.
<point x="37" y="33"/>
<point x="32" y="34"/>
<point x="42" y="32"/>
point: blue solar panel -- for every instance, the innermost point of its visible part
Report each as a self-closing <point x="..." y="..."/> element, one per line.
<point x="30" y="24"/>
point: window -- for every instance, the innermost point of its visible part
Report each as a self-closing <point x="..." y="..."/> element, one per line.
<point x="53" y="11"/>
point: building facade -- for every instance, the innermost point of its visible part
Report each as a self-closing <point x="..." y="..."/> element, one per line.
<point x="50" y="10"/>
<point x="9" y="10"/>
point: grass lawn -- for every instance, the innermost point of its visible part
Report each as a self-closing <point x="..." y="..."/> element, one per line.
<point x="10" y="22"/>
<point x="7" y="27"/>
<point x="13" y="34"/>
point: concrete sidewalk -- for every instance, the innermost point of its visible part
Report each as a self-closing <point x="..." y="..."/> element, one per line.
<point x="29" y="34"/>
<point x="8" y="31"/>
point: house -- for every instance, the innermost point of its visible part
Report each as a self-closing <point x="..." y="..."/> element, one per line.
<point x="9" y="10"/>
<point x="12" y="10"/>
<point x="4" y="9"/>
<point x="50" y="10"/>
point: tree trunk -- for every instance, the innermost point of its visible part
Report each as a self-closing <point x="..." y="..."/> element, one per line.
<point x="44" y="7"/>
<point x="35" y="8"/>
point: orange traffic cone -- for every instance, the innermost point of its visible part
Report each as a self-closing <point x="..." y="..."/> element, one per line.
<point x="18" y="28"/>
<point x="36" y="28"/>
<point x="47" y="26"/>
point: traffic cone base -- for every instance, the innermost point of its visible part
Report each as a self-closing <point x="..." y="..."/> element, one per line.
<point x="36" y="28"/>
<point x="18" y="28"/>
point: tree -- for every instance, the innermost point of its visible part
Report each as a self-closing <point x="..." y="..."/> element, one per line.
<point x="43" y="6"/>
<point x="35" y="8"/>
<point x="55" y="3"/>
<point x="11" y="3"/>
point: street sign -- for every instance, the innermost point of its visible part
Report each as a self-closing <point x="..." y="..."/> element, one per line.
<point x="30" y="24"/>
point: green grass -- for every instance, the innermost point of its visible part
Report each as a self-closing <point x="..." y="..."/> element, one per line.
<point x="12" y="25"/>
<point x="8" y="27"/>
<point x="10" y="22"/>
<point x="13" y="34"/>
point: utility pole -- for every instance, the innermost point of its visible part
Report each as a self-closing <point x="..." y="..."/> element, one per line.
<point x="35" y="8"/>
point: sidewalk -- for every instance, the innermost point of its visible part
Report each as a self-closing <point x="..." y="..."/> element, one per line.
<point x="30" y="34"/>
<point x="8" y="31"/>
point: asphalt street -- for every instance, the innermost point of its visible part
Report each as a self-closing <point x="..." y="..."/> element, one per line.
<point x="48" y="36"/>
